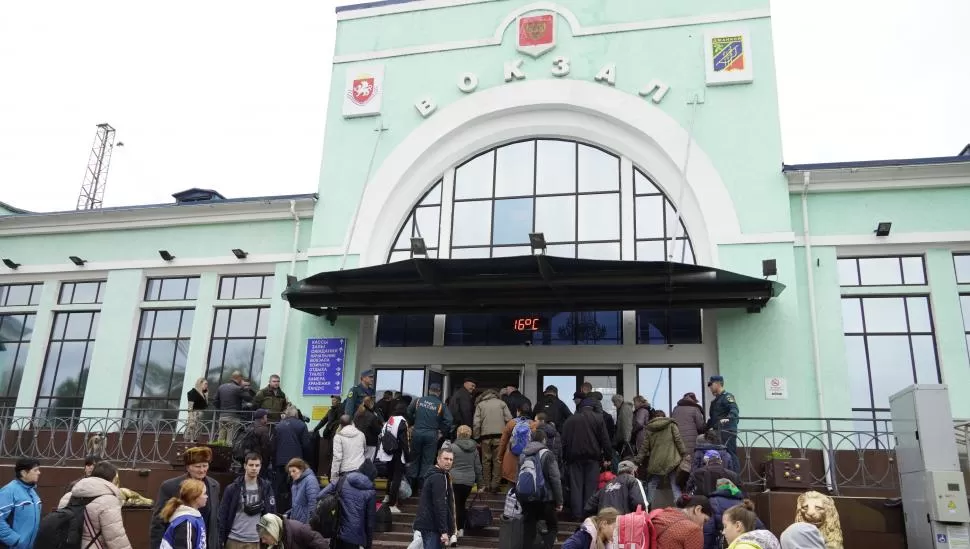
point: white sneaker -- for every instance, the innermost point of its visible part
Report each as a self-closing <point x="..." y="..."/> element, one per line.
<point x="454" y="541"/>
<point x="395" y="510"/>
<point x="461" y="533"/>
<point x="387" y="499"/>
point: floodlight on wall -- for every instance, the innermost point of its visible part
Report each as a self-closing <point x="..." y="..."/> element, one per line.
<point x="165" y="255"/>
<point x="769" y="267"/>
<point x="537" y="241"/>
<point x="883" y="228"/>
<point x="418" y="247"/>
<point x="77" y="260"/>
<point x="239" y="253"/>
<point x="11" y="263"/>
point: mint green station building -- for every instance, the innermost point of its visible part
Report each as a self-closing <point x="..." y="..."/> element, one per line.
<point x="628" y="131"/>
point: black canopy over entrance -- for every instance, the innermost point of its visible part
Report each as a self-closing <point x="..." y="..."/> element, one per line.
<point x="525" y="283"/>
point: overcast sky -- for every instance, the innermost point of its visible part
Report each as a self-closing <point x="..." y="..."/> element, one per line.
<point x="231" y="95"/>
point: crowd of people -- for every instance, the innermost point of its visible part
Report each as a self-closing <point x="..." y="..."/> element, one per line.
<point x="591" y="466"/>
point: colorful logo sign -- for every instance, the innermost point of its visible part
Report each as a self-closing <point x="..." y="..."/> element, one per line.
<point x="537" y="34"/>
<point x="727" y="56"/>
<point x="363" y="91"/>
<point x="728" y="53"/>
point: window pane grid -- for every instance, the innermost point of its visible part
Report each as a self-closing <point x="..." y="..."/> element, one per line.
<point x="66" y="366"/>
<point x="882" y="271"/>
<point x="405" y="331"/>
<point x="238" y="342"/>
<point x="246" y="287"/>
<point x="664" y="386"/>
<point x="172" y="289"/>
<point x="15" y="335"/>
<point x="82" y="292"/>
<point x="657" y="234"/>
<point x="19" y="295"/>
<point x="961" y="264"/>
<point x="158" y="365"/>
<point x="965" y="307"/>
<point x="889" y="344"/>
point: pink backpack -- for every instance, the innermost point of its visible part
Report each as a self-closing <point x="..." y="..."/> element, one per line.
<point x="636" y="530"/>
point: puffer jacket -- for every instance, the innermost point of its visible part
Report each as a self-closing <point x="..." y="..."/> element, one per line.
<point x="690" y="420"/>
<point x="491" y="415"/>
<point x="663" y="449"/>
<point x="641" y="416"/>
<point x="103" y="514"/>
<point x="358" y="505"/>
<point x="304" y="493"/>
<point x="467" y="469"/>
<point x="349" y="445"/>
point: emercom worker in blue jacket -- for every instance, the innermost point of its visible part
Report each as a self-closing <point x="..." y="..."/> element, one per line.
<point x="245" y="500"/>
<point x="19" y="498"/>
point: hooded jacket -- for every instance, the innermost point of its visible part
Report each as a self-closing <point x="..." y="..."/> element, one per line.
<point x="756" y="539"/>
<point x="553" y="440"/>
<point x="299" y="535"/>
<point x="358" y="506"/>
<point x="491" y="415"/>
<point x="186" y="530"/>
<point x="103" y="514"/>
<point x="22" y="500"/>
<point x="689" y="416"/>
<point x="624" y="424"/>
<point x="550" y="470"/>
<point x="584" y="437"/>
<point x="467" y="469"/>
<point x="583" y="537"/>
<point x="349" y="445"/>
<point x="232" y="503"/>
<point x="663" y="448"/>
<point x="721" y="501"/>
<point x="802" y="535"/>
<point x="304" y="492"/>
<point x="624" y="493"/>
<point x="556" y="410"/>
<point x="367" y="422"/>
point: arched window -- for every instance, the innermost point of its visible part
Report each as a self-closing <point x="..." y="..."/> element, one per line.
<point x="571" y="192"/>
<point x="576" y="195"/>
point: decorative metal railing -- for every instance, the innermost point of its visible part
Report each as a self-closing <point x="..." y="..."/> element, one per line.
<point x="841" y="455"/>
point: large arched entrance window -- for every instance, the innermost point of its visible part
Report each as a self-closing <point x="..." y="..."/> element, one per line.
<point x="577" y="195"/>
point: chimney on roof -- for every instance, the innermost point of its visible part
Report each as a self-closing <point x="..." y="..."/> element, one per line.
<point x="197" y="195"/>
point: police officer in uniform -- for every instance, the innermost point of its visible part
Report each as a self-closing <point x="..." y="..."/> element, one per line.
<point x="431" y="419"/>
<point x="724" y="414"/>
<point x="356" y="395"/>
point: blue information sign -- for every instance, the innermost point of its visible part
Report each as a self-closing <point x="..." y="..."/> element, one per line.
<point x="324" y="369"/>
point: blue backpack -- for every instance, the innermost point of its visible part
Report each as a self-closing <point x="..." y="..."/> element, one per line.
<point x="530" y="485"/>
<point x="521" y="436"/>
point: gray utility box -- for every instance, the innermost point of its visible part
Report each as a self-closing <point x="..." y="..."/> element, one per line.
<point x="932" y="485"/>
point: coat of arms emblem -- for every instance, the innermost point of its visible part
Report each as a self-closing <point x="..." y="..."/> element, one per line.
<point x="362" y="90"/>
<point x="728" y="53"/>
<point x="536" y="34"/>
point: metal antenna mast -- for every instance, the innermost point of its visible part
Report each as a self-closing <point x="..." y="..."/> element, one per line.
<point x="96" y="175"/>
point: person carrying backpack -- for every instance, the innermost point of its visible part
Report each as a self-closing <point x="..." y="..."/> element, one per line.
<point x="357" y="510"/>
<point x="393" y="448"/>
<point x="539" y="490"/>
<point x="680" y="527"/>
<point x="99" y="521"/>
<point x="514" y="442"/>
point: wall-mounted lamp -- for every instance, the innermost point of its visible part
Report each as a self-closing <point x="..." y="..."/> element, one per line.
<point x="418" y="246"/>
<point x="239" y="253"/>
<point x="11" y="263"/>
<point x="537" y="241"/>
<point x="77" y="260"/>
<point x="883" y="228"/>
<point x="769" y="267"/>
<point x="165" y="255"/>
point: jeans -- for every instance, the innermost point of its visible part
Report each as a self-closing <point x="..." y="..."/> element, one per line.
<point x="431" y="539"/>
<point x="532" y="513"/>
<point x="583" y="482"/>
<point x="233" y="544"/>
<point x="491" y="463"/>
<point x="654" y="481"/>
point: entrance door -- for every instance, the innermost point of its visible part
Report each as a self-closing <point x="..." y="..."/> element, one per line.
<point x="609" y="382"/>
<point x="485" y="379"/>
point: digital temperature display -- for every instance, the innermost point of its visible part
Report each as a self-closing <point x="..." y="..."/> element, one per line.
<point x="526" y="324"/>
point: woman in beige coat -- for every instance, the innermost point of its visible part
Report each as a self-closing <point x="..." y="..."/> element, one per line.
<point x="102" y="516"/>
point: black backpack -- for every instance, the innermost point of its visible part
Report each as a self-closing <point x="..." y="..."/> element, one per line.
<point x="326" y="518"/>
<point x="62" y="529"/>
<point x="389" y="442"/>
<point x="382" y="518"/>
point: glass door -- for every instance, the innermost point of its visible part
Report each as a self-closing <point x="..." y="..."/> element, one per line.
<point x="606" y="381"/>
<point x="663" y="386"/>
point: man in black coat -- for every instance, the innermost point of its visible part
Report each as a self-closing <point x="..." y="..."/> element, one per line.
<point x="435" y="518"/>
<point x="585" y="445"/>
<point x="463" y="404"/>
<point x="515" y="399"/>
<point x="556" y="410"/>
<point x="196" y="466"/>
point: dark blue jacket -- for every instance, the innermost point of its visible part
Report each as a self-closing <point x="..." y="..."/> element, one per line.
<point x="436" y="509"/>
<point x="721" y="501"/>
<point x="428" y="413"/>
<point x="358" y="507"/>
<point x="232" y="502"/>
<point x="580" y="539"/>
<point x="292" y="436"/>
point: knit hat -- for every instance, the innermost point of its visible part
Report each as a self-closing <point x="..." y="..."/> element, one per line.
<point x="727" y="485"/>
<point x="712" y="455"/>
<point x="272" y="525"/>
<point x="198" y="454"/>
<point x="626" y="466"/>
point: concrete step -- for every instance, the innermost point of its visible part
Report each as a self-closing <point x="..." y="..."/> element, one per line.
<point x="402" y="539"/>
<point x="406" y="517"/>
<point x="485" y="533"/>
